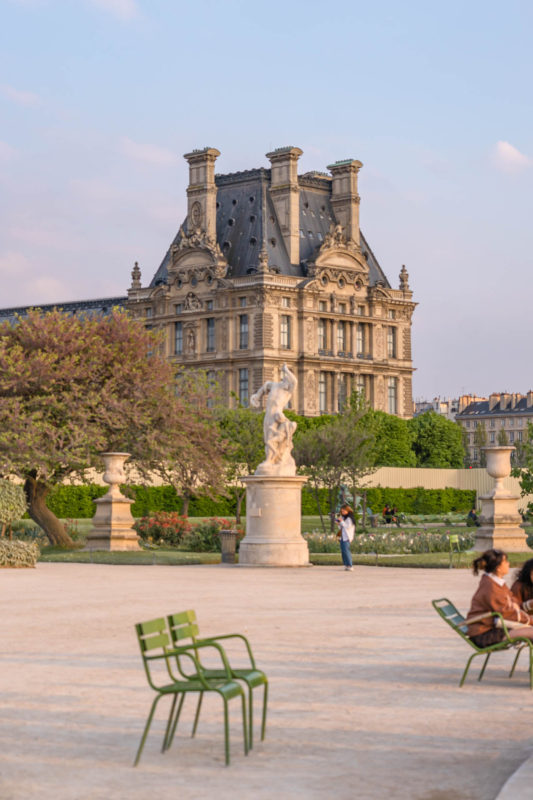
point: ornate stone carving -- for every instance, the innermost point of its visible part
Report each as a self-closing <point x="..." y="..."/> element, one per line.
<point x="191" y="341"/>
<point x="278" y="430"/>
<point x="310" y="392"/>
<point x="196" y="215"/>
<point x="136" y="276"/>
<point x="192" y="303"/>
<point x="200" y="240"/>
<point x="335" y="239"/>
<point x="404" y="279"/>
<point x="310" y="335"/>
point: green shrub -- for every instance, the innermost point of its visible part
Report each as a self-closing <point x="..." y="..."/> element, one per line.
<point x="17" y="553"/>
<point x="204" y="537"/>
<point x="163" y="528"/>
<point x="12" y="504"/>
<point x="390" y="542"/>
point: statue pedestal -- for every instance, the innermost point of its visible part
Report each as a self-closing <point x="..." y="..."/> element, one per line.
<point x="112" y="522"/>
<point x="273" y="523"/>
<point x="500" y="525"/>
<point x="500" y="520"/>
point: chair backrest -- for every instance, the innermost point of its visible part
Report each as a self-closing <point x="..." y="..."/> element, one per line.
<point x="183" y="626"/>
<point x="152" y="635"/>
<point x="449" y="613"/>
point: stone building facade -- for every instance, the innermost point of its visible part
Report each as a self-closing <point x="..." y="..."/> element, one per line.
<point x="271" y="267"/>
<point x="504" y="416"/>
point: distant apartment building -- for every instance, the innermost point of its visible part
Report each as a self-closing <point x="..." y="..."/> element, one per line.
<point x="503" y="416"/>
<point x="444" y="406"/>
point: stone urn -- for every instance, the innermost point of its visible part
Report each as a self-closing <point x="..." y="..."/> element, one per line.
<point x="113" y="522"/>
<point x="500" y="519"/>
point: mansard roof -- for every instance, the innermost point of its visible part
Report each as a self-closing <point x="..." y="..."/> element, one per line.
<point x="100" y="307"/>
<point x="482" y="408"/>
<point x="246" y="218"/>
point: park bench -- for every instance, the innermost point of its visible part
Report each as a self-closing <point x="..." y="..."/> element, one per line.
<point x="449" y="613"/>
<point x="154" y="643"/>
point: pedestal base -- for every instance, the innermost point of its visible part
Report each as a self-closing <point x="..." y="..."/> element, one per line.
<point x="112" y="525"/>
<point x="500" y="525"/>
<point x="273" y="523"/>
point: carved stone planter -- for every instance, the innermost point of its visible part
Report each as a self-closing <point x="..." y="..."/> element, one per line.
<point x="500" y="520"/>
<point x="113" y="522"/>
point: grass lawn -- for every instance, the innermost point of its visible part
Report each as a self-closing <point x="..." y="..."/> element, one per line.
<point x="170" y="557"/>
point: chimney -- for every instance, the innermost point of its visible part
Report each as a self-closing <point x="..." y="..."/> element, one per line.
<point x="344" y="197"/>
<point x="494" y="399"/>
<point x="529" y="399"/>
<point x="202" y="192"/>
<point x="504" y="400"/>
<point x="285" y="194"/>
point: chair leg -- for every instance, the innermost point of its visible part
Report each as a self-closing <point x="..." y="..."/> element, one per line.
<point x="244" y="731"/>
<point x="146" y="729"/>
<point x="250" y="718"/>
<point x="197" y="715"/>
<point x="515" y="662"/>
<point x="169" y="723"/>
<point x="226" y="730"/>
<point x="263" y="722"/>
<point x="175" y="724"/>
<point x="465" y="673"/>
<point x="483" y="667"/>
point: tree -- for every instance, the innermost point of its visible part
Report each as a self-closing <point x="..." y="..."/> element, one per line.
<point x="242" y="430"/>
<point x="480" y="441"/>
<point x="524" y="466"/>
<point x="393" y="441"/>
<point x="72" y="387"/>
<point x="329" y="452"/>
<point x="502" y="437"/>
<point x="437" y="441"/>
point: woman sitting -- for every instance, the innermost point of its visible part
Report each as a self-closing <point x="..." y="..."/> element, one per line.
<point x="522" y="588"/>
<point x="493" y="595"/>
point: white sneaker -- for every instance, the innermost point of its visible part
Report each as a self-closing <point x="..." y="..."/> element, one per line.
<point x="348" y="568"/>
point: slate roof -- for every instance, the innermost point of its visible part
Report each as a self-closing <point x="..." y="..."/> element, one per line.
<point x="246" y="217"/>
<point x="481" y="408"/>
<point x="101" y="307"/>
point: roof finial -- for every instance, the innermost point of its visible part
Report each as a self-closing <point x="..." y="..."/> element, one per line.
<point x="404" y="279"/>
<point x="136" y="276"/>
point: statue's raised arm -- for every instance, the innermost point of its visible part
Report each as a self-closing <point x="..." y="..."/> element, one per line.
<point x="278" y="430"/>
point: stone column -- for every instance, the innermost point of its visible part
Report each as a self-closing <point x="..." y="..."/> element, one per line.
<point x="500" y="520"/>
<point x="112" y="522"/>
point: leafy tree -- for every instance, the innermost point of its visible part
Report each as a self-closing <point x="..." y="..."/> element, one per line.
<point x="524" y="466"/>
<point x="393" y="441"/>
<point x="12" y="505"/>
<point x="480" y="441"/>
<point x="242" y="430"/>
<point x="72" y="387"/>
<point x="437" y="441"/>
<point x="502" y="437"/>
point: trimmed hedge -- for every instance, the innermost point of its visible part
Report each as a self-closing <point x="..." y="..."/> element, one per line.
<point x="76" y="502"/>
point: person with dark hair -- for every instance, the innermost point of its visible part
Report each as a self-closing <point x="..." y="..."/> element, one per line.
<point x="493" y="594"/>
<point x="346" y="533"/>
<point x="522" y="588"/>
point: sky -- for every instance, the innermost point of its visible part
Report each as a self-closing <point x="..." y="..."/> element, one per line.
<point x="100" y="99"/>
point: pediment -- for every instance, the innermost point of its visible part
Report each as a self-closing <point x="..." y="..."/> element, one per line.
<point x="338" y="258"/>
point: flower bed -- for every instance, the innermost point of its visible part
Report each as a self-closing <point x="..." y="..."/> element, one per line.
<point x="392" y="542"/>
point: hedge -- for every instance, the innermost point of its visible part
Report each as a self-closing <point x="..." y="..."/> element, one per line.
<point x="76" y="502"/>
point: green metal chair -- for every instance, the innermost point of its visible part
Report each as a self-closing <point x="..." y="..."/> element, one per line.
<point x="184" y="626"/>
<point x="154" y="643"/>
<point x="449" y="613"/>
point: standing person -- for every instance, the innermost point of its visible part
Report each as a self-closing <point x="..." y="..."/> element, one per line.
<point x="522" y="588"/>
<point x="346" y="533"/>
<point x="493" y="594"/>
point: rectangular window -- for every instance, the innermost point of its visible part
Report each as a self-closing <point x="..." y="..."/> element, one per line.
<point x="475" y="454"/>
<point x="322" y="305"/>
<point x="493" y="423"/>
<point x="342" y="393"/>
<point x="511" y="437"/>
<point x="242" y="302"/>
<point x="322" y="393"/>
<point x="285" y="338"/>
<point x="391" y="313"/>
<point x="492" y="436"/>
<point x="209" y="305"/>
<point x="467" y="424"/>
<point x="519" y="422"/>
<point x="210" y="334"/>
<point x="178" y="308"/>
<point x="502" y="423"/>
<point x="511" y="422"/>
<point x="519" y="436"/>
<point x="178" y="338"/>
<point x="243" y="387"/>
<point x="393" y="395"/>
<point x="361" y="311"/>
<point x="341" y="337"/>
<point x="211" y="385"/>
<point x="391" y="342"/>
<point x="360" y="339"/>
<point x="342" y="308"/>
<point x="148" y="312"/>
<point x="360" y="385"/>
<point x="286" y="302"/>
<point x="243" y="332"/>
<point x="322" y="336"/>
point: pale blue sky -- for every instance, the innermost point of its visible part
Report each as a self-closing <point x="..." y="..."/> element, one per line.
<point x="99" y="99"/>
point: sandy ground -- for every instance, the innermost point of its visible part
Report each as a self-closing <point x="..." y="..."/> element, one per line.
<point x="364" y="687"/>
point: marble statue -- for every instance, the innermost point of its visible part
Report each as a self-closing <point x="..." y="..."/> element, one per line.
<point x="278" y="430"/>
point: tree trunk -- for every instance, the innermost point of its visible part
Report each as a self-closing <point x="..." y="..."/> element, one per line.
<point x="239" y="496"/>
<point x="185" y="506"/>
<point x="36" y="492"/>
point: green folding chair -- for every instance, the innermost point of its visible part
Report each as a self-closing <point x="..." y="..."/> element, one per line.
<point x="449" y="613"/>
<point x="154" y="643"/>
<point x="184" y="626"/>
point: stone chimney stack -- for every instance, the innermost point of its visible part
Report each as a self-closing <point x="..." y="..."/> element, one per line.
<point x="285" y="194"/>
<point x="529" y="399"/>
<point x="202" y="192"/>
<point x="494" y="399"/>
<point x="504" y="400"/>
<point x="345" y="197"/>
